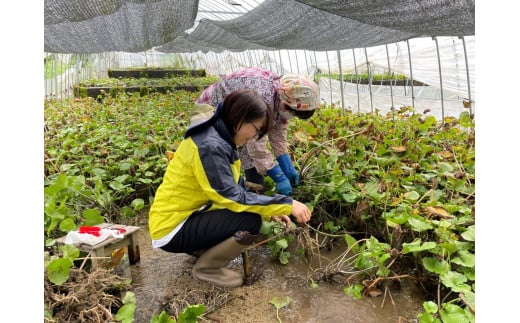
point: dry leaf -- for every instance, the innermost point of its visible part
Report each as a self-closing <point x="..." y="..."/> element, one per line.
<point x="374" y="292"/>
<point x="449" y="119"/>
<point x="371" y="290"/>
<point x="300" y="136"/>
<point x="169" y="154"/>
<point x="399" y="149"/>
<point x="438" y="211"/>
<point x="445" y="154"/>
<point x="117" y="255"/>
<point x="415" y="165"/>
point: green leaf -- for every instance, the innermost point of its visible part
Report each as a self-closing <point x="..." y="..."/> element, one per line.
<point x="445" y="167"/>
<point x="284" y="257"/>
<point x="329" y="226"/>
<point x="127" y="211"/>
<point x="60" y="183"/>
<point x="451" y="313"/>
<point x="191" y="313"/>
<point x="416" y="246"/>
<point x="455" y="281"/>
<point x="396" y="217"/>
<point x="469" y="272"/>
<point x="430" y="307"/>
<point x="137" y="204"/>
<point x="267" y="227"/>
<point x="436" y="266"/>
<point x="469" y="234"/>
<point x="465" y="258"/>
<point x="382" y="271"/>
<point x="162" y="318"/>
<point x="351" y="242"/>
<point x="92" y="217"/>
<point x="419" y="224"/>
<point x="282" y="243"/>
<point x="469" y="298"/>
<point x="144" y="180"/>
<point x="412" y="196"/>
<point x="67" y="225"/>
<point x="427" y="318"/>
<point x="58" y="270"/>
<point x="116" y="186"/>
<point x="349" y="197"/>
<point x="427" y="124"/>
<point x="354" y="291"/>
<point x="70" y="251"/>
<point x="280" y="302"/>
<point x="121" y="178"/>
<point x="129" y="298"/>
<point x="126" y="313"/>
<point x="125" y="166"/>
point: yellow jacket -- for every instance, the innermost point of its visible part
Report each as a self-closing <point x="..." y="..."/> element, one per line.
<point x="206" y="168"/>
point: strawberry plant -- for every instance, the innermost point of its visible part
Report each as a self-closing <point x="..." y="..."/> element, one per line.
<point x="398" y="190"/>
<point x="407" y="185"/>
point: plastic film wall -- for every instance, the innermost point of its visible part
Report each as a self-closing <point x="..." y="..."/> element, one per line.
<point x="438" y="72"/>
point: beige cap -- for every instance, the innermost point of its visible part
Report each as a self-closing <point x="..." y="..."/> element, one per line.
<point x="299" y="92"/>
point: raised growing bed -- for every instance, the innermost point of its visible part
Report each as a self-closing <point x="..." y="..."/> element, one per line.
<point x="144" y="81"/>
<point x="151" y="72"/>
<point x="102" y="91"/>
<point x="389" y="82"/>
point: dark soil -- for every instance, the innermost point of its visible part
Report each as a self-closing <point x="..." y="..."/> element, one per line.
<point x="162" y="281"/>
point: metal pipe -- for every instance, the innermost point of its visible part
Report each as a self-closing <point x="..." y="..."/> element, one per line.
<point x="250" y="58"/>
<point x="268" y="59"/>
<point x="467" y="76"/>
<point x="330" y="76"/>
<point x="369" y="81"/>
<point x="258" y="58"/>
<point x="357" y="81"/>
<point x="297" y="63"/>
<point x="338" y="53"/>
<point x="440" y="76"/>
<point x="281" y="65"/>
<point x="389" y="72"/>
<point x="290" y="62"/>
<point x="411" y="73"/>
<point x="306" y="62"/>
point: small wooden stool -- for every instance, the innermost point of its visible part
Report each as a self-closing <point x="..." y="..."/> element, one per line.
<point x="111" y="244"/>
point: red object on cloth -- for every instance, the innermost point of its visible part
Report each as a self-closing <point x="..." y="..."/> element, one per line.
<point x="96" y="231"/>
<point x="90" y="230"/>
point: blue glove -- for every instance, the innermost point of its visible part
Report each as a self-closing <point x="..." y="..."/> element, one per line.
<point x="283" y="186"/>
<point x="285" y="163"/>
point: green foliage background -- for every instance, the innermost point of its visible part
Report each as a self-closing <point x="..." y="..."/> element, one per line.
<point x="398" y="189"/>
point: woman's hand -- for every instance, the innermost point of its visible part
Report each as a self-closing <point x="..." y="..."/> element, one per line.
<point x="301" y="212"/>
<point x="284" y="218"/>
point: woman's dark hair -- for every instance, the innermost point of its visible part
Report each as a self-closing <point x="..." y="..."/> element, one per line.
<point x="245" y="106"/>
<point x="301" y="114"/>
<point x="304" y="114"/>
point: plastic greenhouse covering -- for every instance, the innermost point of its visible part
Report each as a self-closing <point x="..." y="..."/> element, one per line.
<point x="430" y="41"/>
<point x="80" y="26"/>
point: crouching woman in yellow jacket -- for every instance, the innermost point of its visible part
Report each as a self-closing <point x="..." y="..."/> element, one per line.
<point x="202" y="205"/>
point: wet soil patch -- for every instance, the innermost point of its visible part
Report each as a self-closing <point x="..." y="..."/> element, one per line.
<point x="163" y="281"/>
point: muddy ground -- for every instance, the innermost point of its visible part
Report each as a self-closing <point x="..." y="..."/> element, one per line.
<point x="163" y="281"/>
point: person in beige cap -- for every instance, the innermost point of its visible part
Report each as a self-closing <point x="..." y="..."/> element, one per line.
<point x="202" y="206"/>
<point x="289" y="96"/>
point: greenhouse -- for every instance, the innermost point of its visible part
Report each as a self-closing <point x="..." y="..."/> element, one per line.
<point x="368" y="214"/>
